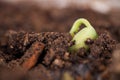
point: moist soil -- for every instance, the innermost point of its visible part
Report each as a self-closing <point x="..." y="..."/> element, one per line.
<point x="31" y="48"/>
<point x="46" y="54"/>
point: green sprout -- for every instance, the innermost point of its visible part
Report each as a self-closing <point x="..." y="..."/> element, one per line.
<point x="88" y="32"/>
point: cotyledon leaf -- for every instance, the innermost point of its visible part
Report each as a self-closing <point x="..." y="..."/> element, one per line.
<point x="88" y="32"/>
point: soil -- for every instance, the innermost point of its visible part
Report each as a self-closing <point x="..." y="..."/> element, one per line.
<point x="32" y="48"/>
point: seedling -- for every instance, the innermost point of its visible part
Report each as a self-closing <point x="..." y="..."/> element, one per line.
<point x="88" y="32"/>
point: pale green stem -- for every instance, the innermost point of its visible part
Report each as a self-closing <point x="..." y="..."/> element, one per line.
<point x="81" y="36"/>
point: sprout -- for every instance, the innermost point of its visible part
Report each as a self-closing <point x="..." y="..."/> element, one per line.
<point x="88" y="32"/>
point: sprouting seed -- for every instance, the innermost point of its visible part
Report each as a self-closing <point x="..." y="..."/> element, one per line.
<point x="88" y="32"/>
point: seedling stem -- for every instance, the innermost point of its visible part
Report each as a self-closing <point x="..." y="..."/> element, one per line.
<point x="88" y="32"/>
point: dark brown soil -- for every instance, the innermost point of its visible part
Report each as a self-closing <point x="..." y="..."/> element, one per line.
<point x="46" y="54"/>
<point x="29" y="50"/>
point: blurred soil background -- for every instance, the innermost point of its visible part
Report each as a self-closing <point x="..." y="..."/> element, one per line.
<point x="58" y="16"/>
